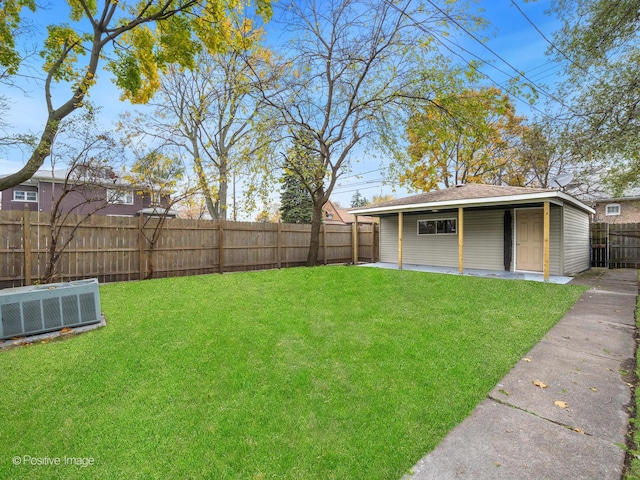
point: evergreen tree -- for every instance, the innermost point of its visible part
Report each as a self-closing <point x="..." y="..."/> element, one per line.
<point x="301" y="171"/>
<point x="358" y="200"/>
<point x="296" y="204"/>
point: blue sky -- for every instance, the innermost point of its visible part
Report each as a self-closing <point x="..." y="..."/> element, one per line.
<point x="510" y="36"/>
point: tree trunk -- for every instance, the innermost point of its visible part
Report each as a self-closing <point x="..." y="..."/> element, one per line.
<point x="52" y="262"/>
<point x="314" y="243"/>
<point x="223" y="193"/>
<point x="202" y="178"/>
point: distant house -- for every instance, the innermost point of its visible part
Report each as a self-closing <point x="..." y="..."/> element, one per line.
<point x="108" y="194"/>
<point x="341" y="216"/>
<point x="624" y="209"/>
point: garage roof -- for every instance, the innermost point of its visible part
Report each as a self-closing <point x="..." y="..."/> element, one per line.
<point x="471" y="195"/>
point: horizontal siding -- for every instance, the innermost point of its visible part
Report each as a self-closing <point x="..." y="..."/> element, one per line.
<point x="389" y="239"/>
<point x="436" y="250"/>
<point x="555" y="241"/>
<point x="576" y="241"/>
<point x="484" y="239"/>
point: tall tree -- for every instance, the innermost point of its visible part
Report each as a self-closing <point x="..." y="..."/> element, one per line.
<point x="352" y="64"/>
<point x="141" y="37"/>
<point x="358" y="200"/>
<point x="296" y="204"/>
<point x="468" y="136"/>
<point x="542" y="158"/>
<point x="211" y="114"/>
<point x="599" y="43"/>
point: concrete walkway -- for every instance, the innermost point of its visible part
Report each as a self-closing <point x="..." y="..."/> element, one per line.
<point x="524" y="431"/>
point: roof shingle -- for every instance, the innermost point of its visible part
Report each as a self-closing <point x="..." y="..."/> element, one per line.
<point x="461" y="192"/>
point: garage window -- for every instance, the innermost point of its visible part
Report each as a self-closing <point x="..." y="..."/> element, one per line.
<point x="445" y="226"/>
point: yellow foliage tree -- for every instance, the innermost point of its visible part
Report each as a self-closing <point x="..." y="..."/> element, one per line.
<point x="468" y="137"/>
<point x="145" y="37"/>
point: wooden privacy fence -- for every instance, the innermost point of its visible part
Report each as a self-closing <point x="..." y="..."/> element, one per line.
<point x="615" y="245"/>
<point x="117" y="248"/>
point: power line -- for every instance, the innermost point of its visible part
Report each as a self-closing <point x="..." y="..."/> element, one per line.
<point x="553" y="45"/>
<point x="474" y="37"/>
<point x="441" y="41"/>
<point x="358" y="184"/>
<point x="359" y="174"/>
<point x="486" y="75"/>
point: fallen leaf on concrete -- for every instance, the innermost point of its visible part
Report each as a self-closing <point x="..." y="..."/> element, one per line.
<point x="503" y="391"/>
<point x="497" y="464"/>
<point x="540" y="384"/>
<point x="526" y="359"/>
<point x="594" y="389"/>
<point x="561" y="404"/>
<point x="65" y="330"/>
<point x="579" y="430"/>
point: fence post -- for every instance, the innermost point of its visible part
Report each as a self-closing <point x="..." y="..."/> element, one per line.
<point x="354" y="240"/>
<point x="221" y="245"/>
<point x="141" y="245"/>
<point x="279" y="245"/>
<point x="324" y="242"/>
<point x="606" y="247"/>
<point x="26" y="243"/>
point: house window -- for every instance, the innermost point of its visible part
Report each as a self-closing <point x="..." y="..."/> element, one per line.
<point x="612" y="209"/>
<point x="119" y="196"/>
<point x="438" y="227"/>
<point x="25" y="196"/>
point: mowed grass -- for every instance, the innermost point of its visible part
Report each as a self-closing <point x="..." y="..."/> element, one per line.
<point x="309" y="373"/>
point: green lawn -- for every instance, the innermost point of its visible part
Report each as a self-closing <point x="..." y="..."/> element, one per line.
<point x="328" y="372"/>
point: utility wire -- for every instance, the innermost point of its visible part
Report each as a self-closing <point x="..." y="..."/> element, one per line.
<point x="553" y="45"/>
<point x="442" y="41"/>
<point x="474" y="37"/>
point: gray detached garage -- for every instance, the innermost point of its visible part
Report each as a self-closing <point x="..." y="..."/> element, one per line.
<point x="486" y="227"/>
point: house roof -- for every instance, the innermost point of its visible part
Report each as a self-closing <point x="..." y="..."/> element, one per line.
<point x="471" y="195"/>
<point x="59" y="176"/>
<point x="158" y="211"/>
<point x="342" y="216"/>
<point x="111" y="178"/>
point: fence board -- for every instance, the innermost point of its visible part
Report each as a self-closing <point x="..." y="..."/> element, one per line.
<point x="615" y="245"/>
<point x="117" y="248"/>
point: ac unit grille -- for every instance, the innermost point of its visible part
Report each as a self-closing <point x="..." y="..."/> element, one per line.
<point x="11" y="319"/>
<point x="32" y="310"/>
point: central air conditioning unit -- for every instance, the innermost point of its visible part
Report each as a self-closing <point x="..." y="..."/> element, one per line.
<point x="44" y="308"/>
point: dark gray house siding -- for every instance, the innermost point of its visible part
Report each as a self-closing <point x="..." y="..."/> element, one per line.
<point x="47" y="192"/>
